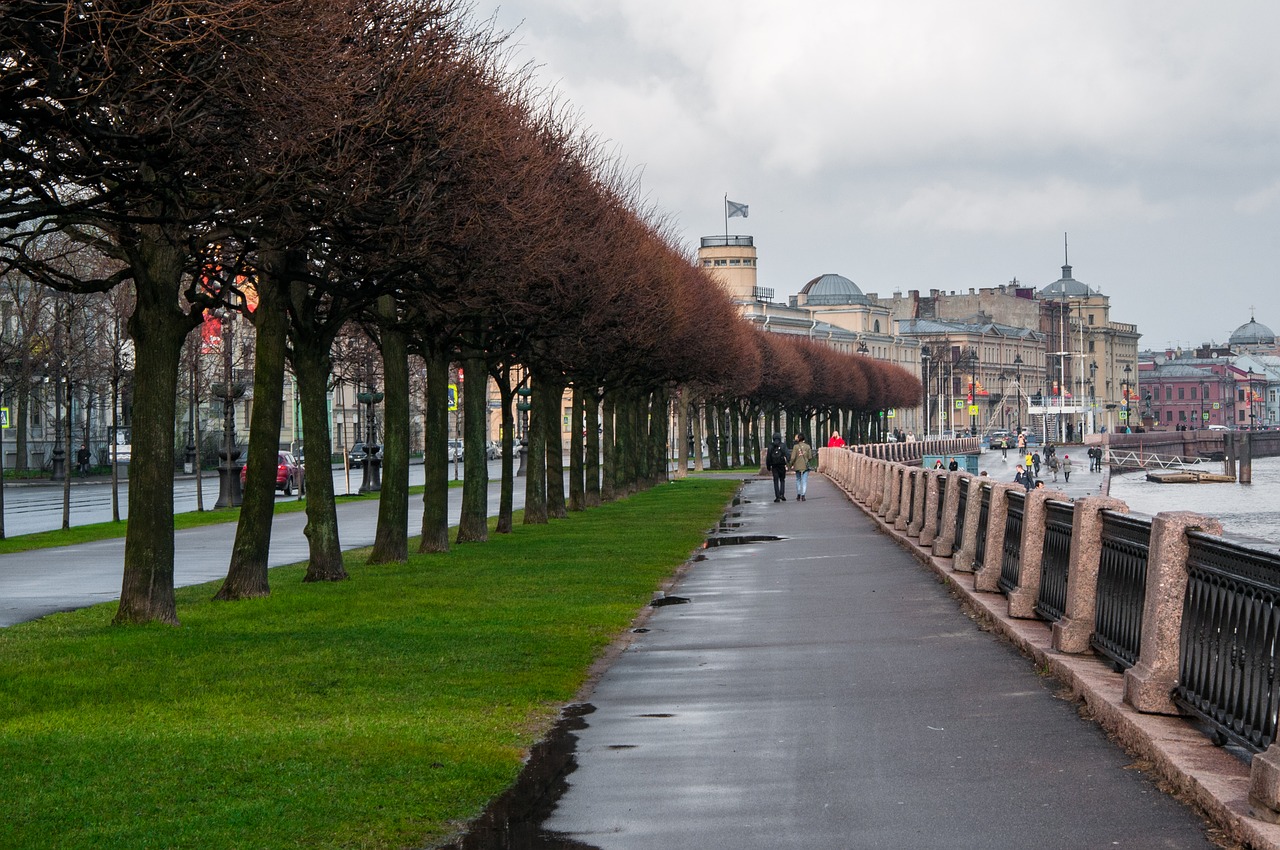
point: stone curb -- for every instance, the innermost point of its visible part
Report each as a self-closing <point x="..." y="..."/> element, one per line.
<point x="1205" y="776"/>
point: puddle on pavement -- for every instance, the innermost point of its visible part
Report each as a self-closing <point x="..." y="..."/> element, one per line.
<point x="514" y="820"/>
<point x="739" y="540"/>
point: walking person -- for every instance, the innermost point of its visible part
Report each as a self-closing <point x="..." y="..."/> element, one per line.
<point x="1035" y="462"/>
<point x="836" y="441"/>
<point x="82" y="460"/>
<point x="1066" y="468"/>
<point x="775" y="460"/>
<point x="801" y="455"/>
<point x="1052" y="462"/>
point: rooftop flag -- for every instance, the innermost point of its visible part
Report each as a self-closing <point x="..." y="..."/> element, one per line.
<point x="733" y="209"/>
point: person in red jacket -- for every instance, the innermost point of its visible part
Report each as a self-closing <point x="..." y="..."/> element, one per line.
<point x="836" y="441"/>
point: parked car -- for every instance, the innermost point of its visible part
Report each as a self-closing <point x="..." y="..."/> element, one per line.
<point x="356" y="454"/>
<point x="290" y="474"/>
<point x="493" y="450"/>
<point x="455" y="450"/>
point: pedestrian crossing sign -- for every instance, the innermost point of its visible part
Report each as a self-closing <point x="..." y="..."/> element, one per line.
<point x="4" y="417"/>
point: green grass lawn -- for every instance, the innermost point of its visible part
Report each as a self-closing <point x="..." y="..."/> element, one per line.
<point x="380" y="712"/>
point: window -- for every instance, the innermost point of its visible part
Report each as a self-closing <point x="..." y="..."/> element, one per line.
<point x="1193" y="393"/>
<point x="735" y="262"/>
<point x="1091" y="322"/>
<point x="1091" y="342"/>
<point x="706" y="262"/>
<point x="720" y="262"/>
<point x="1168" y="416"/>
<point x="1182" y="416"/>
<point x="1168" y="393"/>
<point x="1241" y="395"/>
<point x="1182" y="393"/>
<point x="877" y="327"/>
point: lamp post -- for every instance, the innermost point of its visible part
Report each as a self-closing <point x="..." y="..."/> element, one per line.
<point x="925" y="357"/>
<point x="971" y="360"/>
<point x="1004" y="403"/>
<point x="1204" y="393"/>
<point x="523" y="406"/>
<point x="229" y="493"/>
<point x="189" y="463"/>
<point x="1124" y="398"/>
<point x="372" y="480"/>
<point x="1093" y="374"/>
<point x="1017" y="383"/>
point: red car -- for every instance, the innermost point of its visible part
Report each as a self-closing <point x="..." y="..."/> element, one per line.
<point x="290" y="475"/>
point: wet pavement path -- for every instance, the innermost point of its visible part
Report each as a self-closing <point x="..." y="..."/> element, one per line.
<point x="824" y="691"/>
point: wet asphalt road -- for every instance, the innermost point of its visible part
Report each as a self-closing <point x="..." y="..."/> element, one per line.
<point x="824" y="691"/>
<point x="33" y="584"/>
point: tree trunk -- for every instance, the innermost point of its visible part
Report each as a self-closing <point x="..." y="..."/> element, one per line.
<point x="535" y="482"/>
<point x="312" y="364"/>
<point x="608" y="449"/>
<point x="391" y="541"/>
<point x="555" y="451"/>
<point x="502" y="376"/>
<point x="157" y="327"/>
<point x="247" y="573"/>
<point x="473" y="525"/>
<point x="591" y="422"/>
<point x="435" y="454"/>
<point x="681" y="436"/>
<point x="710" y="417"/>
<point x="23" y="392"/>
<point x="577" y="475"/>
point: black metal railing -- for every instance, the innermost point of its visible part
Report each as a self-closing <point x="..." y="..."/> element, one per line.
<point x="728" y="241"/>
<point x="961" y="509"/>
<point x="1122" y="582"/>
<point x="1051" y="603"/>
<point x="984" y="517"/>
<point x="1011" y="557"/>
<point x="942" y="496"/>
<point x="1230" y="632"/>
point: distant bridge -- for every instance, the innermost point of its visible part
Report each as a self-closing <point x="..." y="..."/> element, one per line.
<point x="1126" y="459"/>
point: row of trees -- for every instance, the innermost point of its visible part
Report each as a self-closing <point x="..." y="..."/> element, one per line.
<point x="319" y="166"/>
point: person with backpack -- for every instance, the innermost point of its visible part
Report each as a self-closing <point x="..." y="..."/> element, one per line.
<point x="801" y="455"/>
<point x="775" y="460"/>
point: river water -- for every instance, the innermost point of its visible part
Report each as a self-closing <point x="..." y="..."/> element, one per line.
<point x="1250" y="510"/>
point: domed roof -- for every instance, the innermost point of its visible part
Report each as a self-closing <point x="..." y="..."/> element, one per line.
<point x="1066" y="287"/>
<point x="830" y="289"/>
<point x="1253" y="333"/>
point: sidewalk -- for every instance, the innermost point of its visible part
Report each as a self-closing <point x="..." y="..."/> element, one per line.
<point x="825" y="691"/>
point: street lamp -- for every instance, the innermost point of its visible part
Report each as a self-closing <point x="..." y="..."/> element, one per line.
<point x="1124" y="398"/>
<point x="229" y="493"/>
<point x="523" y="407"/>
<point x="925" y="357"/>
<point x="372" y="480"/>
<point x="971" y="360"/>
<point x="1204" y="393"/>
<point x="1093" y="374"/>
<point x="1017" y="383"/>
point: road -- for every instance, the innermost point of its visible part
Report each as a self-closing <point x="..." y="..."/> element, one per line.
<point x="33" y="584"/>
<point x="36" y="507"/>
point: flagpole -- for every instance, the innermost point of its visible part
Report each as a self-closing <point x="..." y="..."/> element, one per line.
<point x="726" y="218"/>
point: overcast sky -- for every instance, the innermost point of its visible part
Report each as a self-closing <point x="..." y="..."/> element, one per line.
<point x="934" y="144"/>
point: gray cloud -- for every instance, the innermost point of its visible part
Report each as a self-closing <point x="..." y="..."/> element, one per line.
<point x="913" y="145"/>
